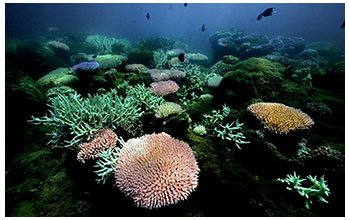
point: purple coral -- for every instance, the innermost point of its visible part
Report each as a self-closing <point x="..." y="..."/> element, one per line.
<point x="86" y="66"/>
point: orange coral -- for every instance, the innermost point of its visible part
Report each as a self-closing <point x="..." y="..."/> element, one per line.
<point x="102" y="139"/>
<point x="280" y="118"/>
<point x="156" y="170"/>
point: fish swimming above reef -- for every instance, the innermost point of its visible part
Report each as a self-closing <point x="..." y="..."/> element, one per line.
<point x="342" y="25"/>
<point x="266" y="13"/>
<point x="181" y="57"/>
<point x="203" y="28"/>
<point x="148" y="16"/>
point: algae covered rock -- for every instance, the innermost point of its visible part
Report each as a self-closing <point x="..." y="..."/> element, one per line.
<point x="34" y="57"/>
<point x="252" y="78"/>
<point x="110" y="61"/>
<point x="57" y="77"/>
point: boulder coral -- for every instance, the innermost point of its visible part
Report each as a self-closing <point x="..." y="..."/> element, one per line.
<point x="156" y="170"/>
<point x="163" y="88"/>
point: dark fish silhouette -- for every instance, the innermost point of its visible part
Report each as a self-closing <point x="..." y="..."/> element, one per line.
<point x="148" y="16"/>
<point x="342" y="25"/>
<point x="266" y="13"/>
<point x="181" y="57"/>
<point x="203" y="28"/>
<point x="185" y="4"/>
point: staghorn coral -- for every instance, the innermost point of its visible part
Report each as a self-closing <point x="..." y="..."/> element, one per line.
<point x="163" y="88"/>
<point x="279" y="118"/>
<point x="168" y="108"/>
<point x="102" y="140"/>
<point x="156" y="170"/>
<point x="74" y="118"/>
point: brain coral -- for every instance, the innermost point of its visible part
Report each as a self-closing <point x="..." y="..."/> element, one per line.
<point x="280" y="118"/>
<point x="156" y="170"/>
<point x="103" y="139"/>
<point x="163" y="88"/>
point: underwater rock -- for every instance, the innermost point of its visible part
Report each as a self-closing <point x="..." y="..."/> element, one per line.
<point x="251" y="78"/>
<point x="110" y="61"/>
<point x="58" y="45"/>
<point x="31" y="56"/>
<point x="229" y="59"/>
<point x="308" y="54"/>
<point x="252" y="45"/>
<point x="221" y="68"/>
<point x="57" y="77"/>
<point x="144" y="57"/>
<point x="214" y="81"/>
<point x="166" y="74"/>
<point x="136" y="68"/>
<point x="163" y="88"/>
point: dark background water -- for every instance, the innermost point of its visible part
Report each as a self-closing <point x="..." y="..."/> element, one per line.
<point x="313" y="22"/>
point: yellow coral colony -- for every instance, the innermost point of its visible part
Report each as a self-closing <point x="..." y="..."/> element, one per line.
<point x="280" y="118"/>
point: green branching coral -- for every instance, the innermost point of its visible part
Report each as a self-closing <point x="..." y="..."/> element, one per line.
<point x="160" y="58"/>
<point x="231" y="132"/>
<point x="106" y="164"/>
<point x="28" y="86"/>
<point x="199" y="129"/>
<point x="318" y="190"/>
<point x="196" y="82"/>
<point x="145" y="97"/>
<point x="74" y="118"/>
<point x="107" y="44"/>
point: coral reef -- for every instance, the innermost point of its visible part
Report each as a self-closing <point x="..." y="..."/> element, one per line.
<point x="168" y="108"/>
<point x="136" y="68"/>
<point x="86" y="66"/>
<point x="319" y="189"/>
<point x="279" y="118"/>
<point x="107" y="44"/>
<point x="57" y="77"/>
<point x="109" y="61"/>
<point x="101" y="140"/>
<point x="163" y="88"/>
<point x="156" y="170"/>
<point x="166" y="74"/>
<point x="155" y="43"/>
<point x="75" y="118"/>
<point x="58" y="45"/>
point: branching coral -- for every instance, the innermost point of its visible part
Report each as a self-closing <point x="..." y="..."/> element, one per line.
<point x="160" y="58"/>
<point x="318" y="190"/>
<point x="74" y="118"/>
<point x="102" y="139"/>
<point x="105" y="44"/>
<point x="145" y="97"/>
<point x="106" y="164"/>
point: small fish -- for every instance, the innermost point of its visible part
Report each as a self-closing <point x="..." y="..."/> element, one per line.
<point x="185" y="4"/>
<point x="181" y="57"/>
<point x="148" y="16"/>
<point x="266" y="13"/>
<point x="203" y="28"/>
<point x="342" y="25"/>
